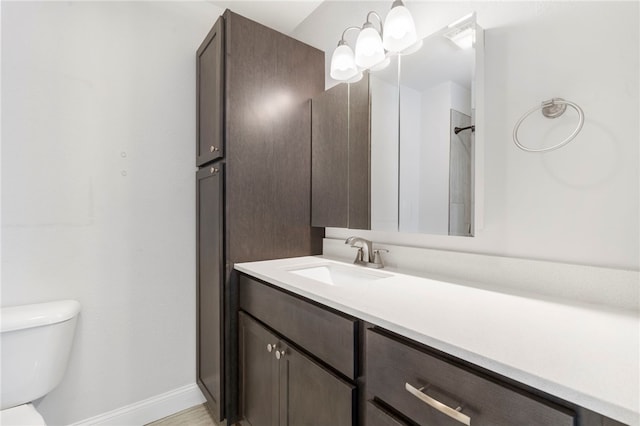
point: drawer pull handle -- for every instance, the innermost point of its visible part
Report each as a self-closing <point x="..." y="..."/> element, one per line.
<point x="454" y="413"/>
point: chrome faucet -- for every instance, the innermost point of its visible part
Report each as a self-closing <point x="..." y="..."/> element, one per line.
<point x="366" y="255"/>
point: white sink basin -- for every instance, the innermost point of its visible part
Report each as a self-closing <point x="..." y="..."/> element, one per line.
<point x="333" y="274"/>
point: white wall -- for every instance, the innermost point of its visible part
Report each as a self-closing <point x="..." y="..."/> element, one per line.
<point x="98" y="205"/>
<point x="578" y="204"/>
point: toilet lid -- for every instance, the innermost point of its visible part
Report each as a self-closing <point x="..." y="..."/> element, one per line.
<point x="22" y="415"/>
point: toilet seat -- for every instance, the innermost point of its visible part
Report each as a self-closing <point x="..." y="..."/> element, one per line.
<point x="22" y="415"/>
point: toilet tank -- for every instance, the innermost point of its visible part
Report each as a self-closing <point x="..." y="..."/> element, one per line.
<point x="35" y="345"/>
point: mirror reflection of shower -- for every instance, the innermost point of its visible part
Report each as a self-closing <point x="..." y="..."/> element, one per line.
<point x="460" y="173"/>
<point x="420" y="183"/>
<point x="436" y="184"/>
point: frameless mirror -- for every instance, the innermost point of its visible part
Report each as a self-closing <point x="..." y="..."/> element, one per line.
<point x="431" y="189"/>
<point x="385" y="110"/>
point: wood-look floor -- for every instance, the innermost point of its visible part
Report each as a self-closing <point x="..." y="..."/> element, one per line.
<point x="194" y="416"/>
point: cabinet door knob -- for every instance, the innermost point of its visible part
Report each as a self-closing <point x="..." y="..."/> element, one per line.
<point x="214" y="170"/>
<point x="279" y="354"/>
<point x="271" y="347"/>
<point x="213" y="148"/>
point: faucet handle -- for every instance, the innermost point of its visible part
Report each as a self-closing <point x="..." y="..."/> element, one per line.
<point x="359" y="255"/>
<point x="377" y="257"/>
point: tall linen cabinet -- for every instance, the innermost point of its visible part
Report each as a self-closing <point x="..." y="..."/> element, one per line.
<point x="253" y="184"/>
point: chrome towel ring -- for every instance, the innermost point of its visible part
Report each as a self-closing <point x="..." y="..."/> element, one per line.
<point x="552" y="108"/>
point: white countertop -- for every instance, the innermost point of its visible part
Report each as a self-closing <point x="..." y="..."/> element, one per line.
<point x="581" y="353"/>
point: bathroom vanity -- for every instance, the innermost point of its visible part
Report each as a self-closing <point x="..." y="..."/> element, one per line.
<point x="349" y="345"/>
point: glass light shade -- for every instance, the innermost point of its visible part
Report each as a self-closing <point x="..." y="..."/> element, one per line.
<point x="369" y="50"/>
<point x="343" y="64"/>
<point x="399" y="29"/>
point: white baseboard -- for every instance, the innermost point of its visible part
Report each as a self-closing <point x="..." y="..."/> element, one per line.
<point x="149" y="410"/>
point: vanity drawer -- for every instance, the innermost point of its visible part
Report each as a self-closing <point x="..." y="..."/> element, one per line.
<point x="376" y="416"/>
<point x="329" y="336"/>
<point x="422" y="386"/>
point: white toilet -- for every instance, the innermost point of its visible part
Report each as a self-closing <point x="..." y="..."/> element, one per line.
<point x="36" y="342"/>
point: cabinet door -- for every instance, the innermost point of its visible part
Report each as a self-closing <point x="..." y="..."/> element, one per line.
<point x="210" y="278"/>
<point x="311" y="395"/>
<point x="360" y="155"/>
<point x="258" y="373"/>
<point x="210" y="96"/>
<point x="340" y="157"/>
<point x="329" y="157"/>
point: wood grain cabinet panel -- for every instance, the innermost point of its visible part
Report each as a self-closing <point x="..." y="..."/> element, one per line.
<point x="259" y="374"/>
<point x="210" y="96"/>
<point x="270" y="79"/>
<point x="328" y="335"/>
<point x="329" y="157"/>
<point x="281" y="386"/>
<point x="210" y="278"/>
<point x="392" y="364"/>
<point x="311" y="395"/>
<point x="254" y="87"/>
<point x="376" y="416"/>
<point x="341" y="165"/>
<point x="360" y="155"/>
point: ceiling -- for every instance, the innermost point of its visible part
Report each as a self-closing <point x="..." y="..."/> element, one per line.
<point x="283" y="15"/>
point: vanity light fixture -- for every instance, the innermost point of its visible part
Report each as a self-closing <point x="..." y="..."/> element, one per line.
<point x="343" y="63"/>
<point x="397" y="35"/>
<point x="369" y="50"/>
<point x="400" y="31"/>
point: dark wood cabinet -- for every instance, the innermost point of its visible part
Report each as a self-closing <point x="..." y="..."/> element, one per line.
<point x="282" y="386"/>
<point x="360" y="154"/>
<point x="254" y="87"/>
<point x="375" y="415"/>
<point x="210" y="96"/>
<point x="329" y="157"/>
<point x="312" y="350"/>
<point x="259" y="374"/>
<point x="328" y="335"/>
<point x="341" y="165"/>
<point x="210" y="278"/>
<point x="430" y="390"/>
<point x="312" y="395"/>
